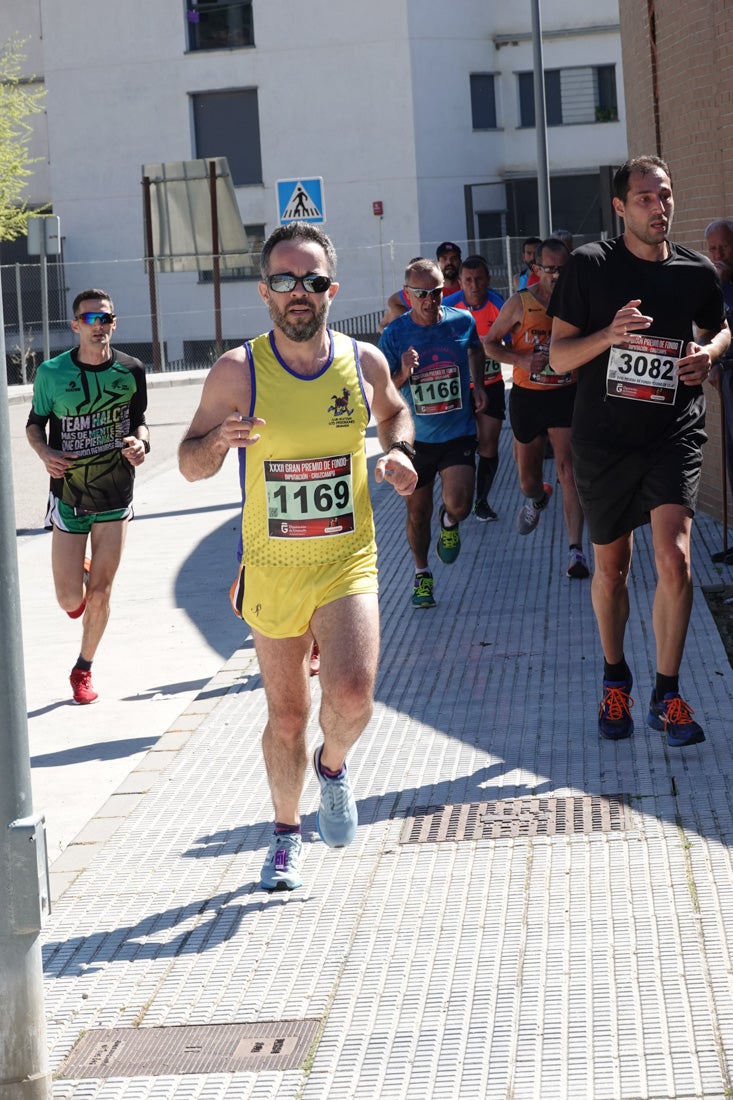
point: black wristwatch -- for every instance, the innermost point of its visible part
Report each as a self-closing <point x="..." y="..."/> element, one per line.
<point x="146" y="445"/>
<point x="404" y="446"/>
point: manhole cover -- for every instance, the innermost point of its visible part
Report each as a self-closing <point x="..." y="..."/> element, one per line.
<point x="532" y="816"/>
<point x="213" y="1048"/>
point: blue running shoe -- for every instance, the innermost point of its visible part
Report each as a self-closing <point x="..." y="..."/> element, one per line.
<point x="449" y="542"/>
<point x="337" y="817"/>
<point x="614" y="716"/>
<point x="281" y="869"/>
<point x="673" y="716"/>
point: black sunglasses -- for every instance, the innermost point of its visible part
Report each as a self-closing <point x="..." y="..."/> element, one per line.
<point x="94" y="318"/>
<point x="436" y="292"/>
<point x="284" y="283"/>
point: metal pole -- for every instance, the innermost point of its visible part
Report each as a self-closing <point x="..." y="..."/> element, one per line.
<point x="215" y="255"/>
<point x="24" y="1073"/>
<point x="152" y="290"/>
<point x="470" y="218"/>
<point x="44" y="298"/>
<point x="508" y="261"/>
<point x="381" y="259"/>
<point x="21" y="333"/>
<point x="723" y="473"/>
<point x="540" y="121"/>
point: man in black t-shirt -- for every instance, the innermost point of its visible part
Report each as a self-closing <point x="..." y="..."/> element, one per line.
<point x="641" y="319"/>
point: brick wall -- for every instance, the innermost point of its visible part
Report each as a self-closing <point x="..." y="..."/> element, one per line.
<point x="694" y="82"/>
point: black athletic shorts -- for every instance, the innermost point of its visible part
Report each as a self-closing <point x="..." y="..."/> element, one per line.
<point x="431" y="458"/>
<point x="619" y="488"/>
<point x="532" y="412"/>
<point x="495" y="395"/>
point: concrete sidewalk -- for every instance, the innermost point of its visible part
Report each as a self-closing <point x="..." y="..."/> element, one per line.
<point x="527" y="911"/>
<point x="171" y="627"/>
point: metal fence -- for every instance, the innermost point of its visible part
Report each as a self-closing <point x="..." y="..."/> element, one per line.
<point x="176" y="328"/>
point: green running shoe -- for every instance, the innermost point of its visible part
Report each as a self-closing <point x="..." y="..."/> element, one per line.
<point x="422" y="593"/>
<point x="449" y="542"/>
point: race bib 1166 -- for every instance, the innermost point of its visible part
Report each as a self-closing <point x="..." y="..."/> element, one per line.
<point x="437" y="389"/>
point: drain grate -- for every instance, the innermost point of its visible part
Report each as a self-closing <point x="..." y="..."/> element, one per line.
<point x="534" y="816"/>
<point x="213" y="1048"/>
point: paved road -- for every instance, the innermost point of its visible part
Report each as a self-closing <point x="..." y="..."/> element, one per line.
<point x="168" y="633"/>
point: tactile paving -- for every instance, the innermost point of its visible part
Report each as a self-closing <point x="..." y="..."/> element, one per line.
<point x="574" y="963"/>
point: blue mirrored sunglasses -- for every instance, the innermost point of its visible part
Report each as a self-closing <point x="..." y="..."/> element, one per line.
<point x="96" y="318"/>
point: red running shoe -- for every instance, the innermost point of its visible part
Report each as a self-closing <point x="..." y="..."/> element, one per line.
<point x="81" y="684"/>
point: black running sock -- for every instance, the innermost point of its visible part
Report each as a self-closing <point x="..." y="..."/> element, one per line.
<point x="540" y="502"/>
<point x="616" y="673"/>
<point x="285" y="830"/>
<point x="85" y="666"/>
<point x="666" y="685"/>
<point x="485" y="475"/>
<point x="576" y="546"/>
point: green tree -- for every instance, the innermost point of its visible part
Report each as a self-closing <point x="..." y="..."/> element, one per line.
<point x="20" y="98"/>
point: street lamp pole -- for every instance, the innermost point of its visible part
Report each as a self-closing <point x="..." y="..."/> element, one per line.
<point x="24" y="1073"/>
<point x="540" y="119"/>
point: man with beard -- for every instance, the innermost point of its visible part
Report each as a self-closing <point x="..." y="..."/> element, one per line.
<point x="295" y="403"/>
<point x="641" y="320"/>
<point x="448" y="256"/>
<point x="527" y="276"/>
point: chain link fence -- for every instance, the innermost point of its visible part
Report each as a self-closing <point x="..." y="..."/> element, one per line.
<point x="169" y="324"/>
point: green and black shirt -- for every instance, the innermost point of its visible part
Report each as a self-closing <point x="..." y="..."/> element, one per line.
<point x="89" y="411"/>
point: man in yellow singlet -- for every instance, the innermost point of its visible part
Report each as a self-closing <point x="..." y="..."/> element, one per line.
<point x="295" y="403"/>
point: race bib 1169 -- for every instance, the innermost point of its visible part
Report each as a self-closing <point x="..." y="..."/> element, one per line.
<point x="309" y="497"/>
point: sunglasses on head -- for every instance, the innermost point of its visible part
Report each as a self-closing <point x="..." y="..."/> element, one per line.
<point x="436" y="292"/>
<point x="284" y="283"/>
<point x="96" y="318"/>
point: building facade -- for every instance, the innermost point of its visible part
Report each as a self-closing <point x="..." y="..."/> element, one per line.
<point x="418" y="120"/>
<point x="679" y="95"/>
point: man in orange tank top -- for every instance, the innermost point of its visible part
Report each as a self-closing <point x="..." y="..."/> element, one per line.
<point x="540" y="401"/>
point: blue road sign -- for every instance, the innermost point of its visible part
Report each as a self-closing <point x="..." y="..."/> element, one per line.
<point x="300" y="200"/>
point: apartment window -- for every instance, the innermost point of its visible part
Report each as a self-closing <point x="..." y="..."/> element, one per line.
<point x="219" y="24"/>
<point x="483" y="101"/>
<point x="227" y="124"/>
<point x="581" y="94"/>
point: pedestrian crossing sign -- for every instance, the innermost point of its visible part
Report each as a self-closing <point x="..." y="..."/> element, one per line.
<point x="300" y="200"/>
